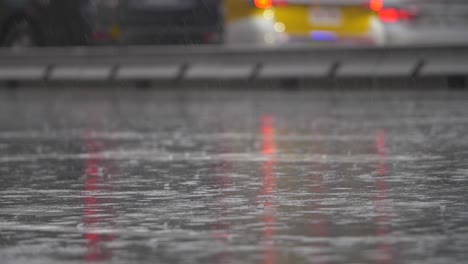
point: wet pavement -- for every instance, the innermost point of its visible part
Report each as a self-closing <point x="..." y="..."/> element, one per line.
<point x="233" y="177"/>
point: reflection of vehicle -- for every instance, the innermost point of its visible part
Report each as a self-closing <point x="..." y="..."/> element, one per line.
<point x="44" y="22"/>
<point x="159" y="21"/>
<point x="379" y="22"/>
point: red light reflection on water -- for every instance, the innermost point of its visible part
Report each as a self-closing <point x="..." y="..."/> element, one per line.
<point x="382" y="220"/>
<point x="267" y="132"/>
<point x="94" y="205"/>
<point x="268" y="189"/>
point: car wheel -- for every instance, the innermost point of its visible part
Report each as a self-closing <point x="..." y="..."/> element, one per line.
<point x="20" y="33"/>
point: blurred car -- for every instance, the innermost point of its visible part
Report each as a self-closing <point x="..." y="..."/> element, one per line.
<point x="159" y="21"/>
<point x="270" y="22"/>
<point x="45" y="22"/>
<point x="364" y="22"/>
<point x="422" y="21"/>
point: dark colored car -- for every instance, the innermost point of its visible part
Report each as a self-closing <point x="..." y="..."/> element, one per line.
<point x="159" y="21"/>
<point x="45" y="22"/>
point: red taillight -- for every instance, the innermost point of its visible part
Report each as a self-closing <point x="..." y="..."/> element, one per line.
<point x="263" y="3"/>
<point x="389" y="15"/>
<point x="406" y="15"/>
<point x="392" y="15"/>
<point x="376" y="5"/>
<point x="269" y="3"/>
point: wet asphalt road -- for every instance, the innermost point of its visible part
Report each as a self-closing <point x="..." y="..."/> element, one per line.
<point x="233" y="177"/>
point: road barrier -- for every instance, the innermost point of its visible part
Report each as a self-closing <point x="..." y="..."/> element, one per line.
<point x="189" y="63"/>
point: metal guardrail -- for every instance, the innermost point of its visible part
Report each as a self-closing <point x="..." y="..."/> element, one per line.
<point x="228" y="63"/>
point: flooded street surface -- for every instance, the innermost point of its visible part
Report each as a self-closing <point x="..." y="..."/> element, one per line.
<point x="233" y="177"/>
